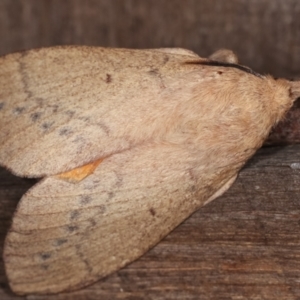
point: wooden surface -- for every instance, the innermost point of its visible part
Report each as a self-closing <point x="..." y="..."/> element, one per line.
<point x="244" y="245"/>
<point x="264" y="33"/>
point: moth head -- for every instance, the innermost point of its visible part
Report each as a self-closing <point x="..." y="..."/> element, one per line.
<point x="283" y="94"/>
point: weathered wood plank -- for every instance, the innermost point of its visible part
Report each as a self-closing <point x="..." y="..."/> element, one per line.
<point x="264" y="34"/>
<point x="244" y="245"/>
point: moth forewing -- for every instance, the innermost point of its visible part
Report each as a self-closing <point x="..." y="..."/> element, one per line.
<point x="67" y="106"/>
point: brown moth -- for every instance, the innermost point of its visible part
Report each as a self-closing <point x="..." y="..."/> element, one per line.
<point x="129" y="142"/>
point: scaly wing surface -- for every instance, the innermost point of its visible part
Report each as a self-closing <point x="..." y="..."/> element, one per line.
<point x="63" y="107"/>
<point x="65" y="235"/>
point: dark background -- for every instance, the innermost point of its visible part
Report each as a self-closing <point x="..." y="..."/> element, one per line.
<point x="244" y="245"/>
<point x="264" y="33"/>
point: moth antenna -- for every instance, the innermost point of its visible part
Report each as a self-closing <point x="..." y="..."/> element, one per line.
<point x="224" y="55"/>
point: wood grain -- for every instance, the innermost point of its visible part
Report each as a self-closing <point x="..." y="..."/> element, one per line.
<point x="264" y="34"/>
<point x="244" y="245"/>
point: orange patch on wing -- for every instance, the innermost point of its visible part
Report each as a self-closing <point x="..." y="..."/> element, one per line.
<point x="80" y="173"/>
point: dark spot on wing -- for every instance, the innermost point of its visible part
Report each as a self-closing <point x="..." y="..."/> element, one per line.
<point x="110" y="196"/>
<point x="108" y="78"/>
<point x="104" y="128"/>
<point x="96" y="181"/>
<point x="45" y="255"/>
<point x="74" y="215"/>
<point x="54" y="108"/>
<point x="60" y="242"/>
<point x="47" y="125"/>
<point x="93" y="222"/>
<point x="35" y="116"/>
<point x="85" y="118"/>
<point x="79" y="140"/>
<point x="152" y="211"/>
<point x="85" y="199"/>
<point x="70" y="113"/>
<point x="71" y="228"/>
<point x="220" y="72"/>
<point x="154" y="72"/>
<point x="166" y="59"/>
<point x="18" y="110"/>
<point x="66" y="131"/>
<point x="1" y="105"/>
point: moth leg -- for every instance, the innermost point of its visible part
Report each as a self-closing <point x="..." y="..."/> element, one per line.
<point x="80" y="173"/>
<point x="222" y="190"/>
<point x="224" y="55"/>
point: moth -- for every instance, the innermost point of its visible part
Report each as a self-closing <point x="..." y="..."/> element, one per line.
<point x="128" y="144"/>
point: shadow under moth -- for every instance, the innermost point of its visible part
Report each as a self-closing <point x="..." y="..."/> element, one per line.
<point x="128" y="144"/>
